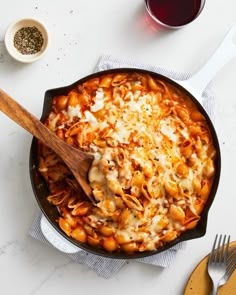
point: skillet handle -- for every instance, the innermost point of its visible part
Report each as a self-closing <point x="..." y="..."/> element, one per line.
<point x="223" y="54"/>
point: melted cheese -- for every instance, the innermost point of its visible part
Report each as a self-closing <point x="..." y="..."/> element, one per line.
<point x="74" y="111"/>
<point x="99" y="101"/>
<point x="136" y="145"/>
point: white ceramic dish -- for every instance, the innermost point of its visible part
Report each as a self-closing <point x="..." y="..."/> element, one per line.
<point x="9" y="39"/>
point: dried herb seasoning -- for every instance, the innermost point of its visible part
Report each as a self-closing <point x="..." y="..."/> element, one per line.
<point x="28" y="40"/>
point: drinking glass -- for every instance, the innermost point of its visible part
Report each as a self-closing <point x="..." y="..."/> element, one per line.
<point x="174" y="14"/>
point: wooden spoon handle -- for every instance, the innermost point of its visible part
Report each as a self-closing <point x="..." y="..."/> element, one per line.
<point x="30" y="123"/>
<point x="70" y="155"/>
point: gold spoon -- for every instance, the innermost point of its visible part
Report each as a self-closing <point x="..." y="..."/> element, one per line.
<point x="77" y="161"/>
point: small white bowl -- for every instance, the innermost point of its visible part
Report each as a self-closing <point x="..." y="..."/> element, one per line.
<point x="9" y="39"/>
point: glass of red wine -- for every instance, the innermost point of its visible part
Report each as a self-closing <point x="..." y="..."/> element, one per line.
<point x="174" y="14"/>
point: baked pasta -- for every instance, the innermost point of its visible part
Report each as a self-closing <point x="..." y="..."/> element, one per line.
<point x="153" y="168"/>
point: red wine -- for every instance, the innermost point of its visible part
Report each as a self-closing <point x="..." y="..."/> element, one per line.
<point x="174" y="12"/>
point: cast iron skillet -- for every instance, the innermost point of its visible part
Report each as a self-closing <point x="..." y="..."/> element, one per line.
<point x="41" y="191"/>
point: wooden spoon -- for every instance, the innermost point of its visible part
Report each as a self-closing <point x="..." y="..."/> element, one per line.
<point x="77" y="161"/>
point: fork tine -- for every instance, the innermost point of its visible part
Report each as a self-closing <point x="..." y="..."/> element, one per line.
<point x="232" y="252"/>
<point x="222" y="249"/>
<point x="231" y="267"/>
<point x="227" y="249"/>
<point x="218" y="250"/>
<point x="212" y="254"/>
<point x="232" y="263"/>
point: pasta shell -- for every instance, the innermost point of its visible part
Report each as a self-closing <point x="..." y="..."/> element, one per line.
<point x="123" y="218"/>
<point x="132" y="202"/>
<point x="169" y="236"/>
<point x="119" y="79"/>
<point x="191" y="223"/>
<point x="177" y="213"/>
<point x="65" y="226"/>
<point x="58" y="198"/>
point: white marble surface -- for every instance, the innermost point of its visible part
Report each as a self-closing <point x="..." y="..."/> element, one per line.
<point x="81" y="31"/>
